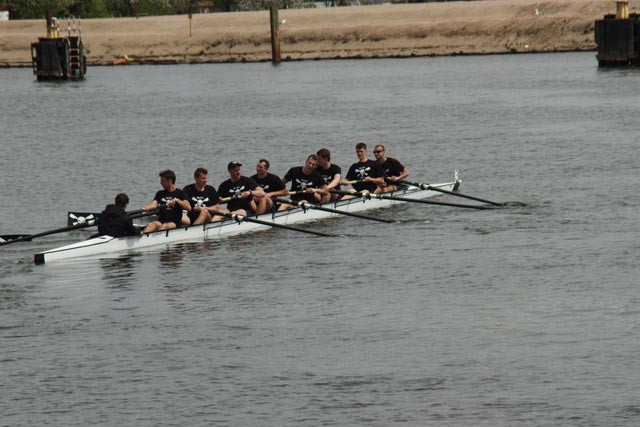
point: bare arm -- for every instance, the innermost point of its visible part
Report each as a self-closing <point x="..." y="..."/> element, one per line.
<point x="278" y="193"/>
<point x="377" y="181"/>
<point x="334" y="182"/>
<point x="403" y="175"/>
<point x="184" y="204"/>
<point x="151" y="206"/>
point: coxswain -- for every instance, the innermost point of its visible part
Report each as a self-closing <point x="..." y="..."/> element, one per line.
<point x="241" y="190"/>
<point x="306" y="182"/>
<point x="392" y="169"/>
<point x="202" y="197"/>
<point x="365" y="170"/>
<point x="171" y="201"/>
<point x="114" y="221"/>
<point x="330" y="173"/>
<point x="270" y="183"/>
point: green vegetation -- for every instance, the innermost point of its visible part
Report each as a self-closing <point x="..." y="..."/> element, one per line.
<point x="37" y="9"/>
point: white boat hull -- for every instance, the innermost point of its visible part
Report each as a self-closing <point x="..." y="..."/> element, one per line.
<point x="108" y="245"/>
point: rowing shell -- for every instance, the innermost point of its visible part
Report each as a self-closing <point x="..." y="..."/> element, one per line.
<point x="215" y="230"/>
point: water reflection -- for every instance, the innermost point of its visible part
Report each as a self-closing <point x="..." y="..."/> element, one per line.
<point x="119" y="273"/>
<point x="173" y="257"/>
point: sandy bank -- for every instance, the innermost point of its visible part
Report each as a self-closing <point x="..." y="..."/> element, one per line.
<point x="479" y="27"/>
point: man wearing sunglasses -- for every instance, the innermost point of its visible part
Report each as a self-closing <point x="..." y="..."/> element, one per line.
<point x="392" y="168"/>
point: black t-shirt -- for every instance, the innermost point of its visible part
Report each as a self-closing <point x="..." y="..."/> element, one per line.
<point x="392" y="167"/>
<point x="328" y="174"/>
<point x="361" y="170"/>
<point x="173" y="214"/>
<point x="270" y="183"/>
<point x="205" y="198"/>
<point x="300" y="182"/>
<point x="235" y="189"/>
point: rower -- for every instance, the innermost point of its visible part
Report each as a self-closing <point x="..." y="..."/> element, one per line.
<point x="114" y="221"/>
<point x="270" y="183"/>
<point x="241" y="190"/>
<point x="171" y="201"/>
<point x="330" y="173"/>
<point x="305" y="181"/>
<point x="203" y="198"/>
<point x="364" y="170"/>
<point x="392" y="169"/>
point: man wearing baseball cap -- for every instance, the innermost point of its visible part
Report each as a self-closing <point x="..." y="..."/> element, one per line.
<point x="241" y="190"/>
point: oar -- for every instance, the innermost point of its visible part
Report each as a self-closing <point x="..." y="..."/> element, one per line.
<point x="304" y="205"/>
<point x="240" y="218"/>
<point x="46" y="233"/>
<point x="90" y="223"/>
<point x="7" y="237"/>
<point x="453" y="193"/>
<point x="74" y="218"/>
<point x="406" y="199"/>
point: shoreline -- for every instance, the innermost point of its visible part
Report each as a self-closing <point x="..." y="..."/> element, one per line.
<point x="339" y="58"/>
<point x="485" y="27"/>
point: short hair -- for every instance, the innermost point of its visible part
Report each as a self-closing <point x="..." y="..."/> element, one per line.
<point x="381" y="146"/>
<point x="122" y="200"/>
<point x="324" y="153"/>
<point x="312" y="156"/>
<point x="200" y="171"/>
<point x="168" y="174"/>
<point x="361" y="146"/>
<point x="266" y="162"/>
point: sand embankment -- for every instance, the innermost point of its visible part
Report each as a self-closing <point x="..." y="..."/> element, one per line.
<point x="479" y="27"/>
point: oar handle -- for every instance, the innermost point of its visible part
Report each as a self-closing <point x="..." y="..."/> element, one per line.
<point x="228" y="199"/>
<point x="349" y="193"/>
<point x="142" y="213"/>
<point x="137" y="211"/>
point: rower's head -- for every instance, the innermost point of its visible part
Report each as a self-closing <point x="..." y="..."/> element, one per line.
<point x="167" y="179"/>
<point x="379" y="152"/>
<point x="122" y="200"/>
<point x="324" y="158"/>
<point x="235" y="170"/>
<point x="262" y="168"/>
<point x="200" y="177"/>
<point x="311" y="164"/>
<point x="361" y="151"/>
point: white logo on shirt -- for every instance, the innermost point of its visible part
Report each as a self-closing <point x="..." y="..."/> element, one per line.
<point x="303" y="184"/>
<point x="363" y="171"/>
<point x="236" y="191"/>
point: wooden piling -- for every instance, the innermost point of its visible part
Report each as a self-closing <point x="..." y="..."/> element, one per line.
<point x="275" y="33"/>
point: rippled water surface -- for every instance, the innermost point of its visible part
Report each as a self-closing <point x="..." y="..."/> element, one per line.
<point x="520" y="316"/>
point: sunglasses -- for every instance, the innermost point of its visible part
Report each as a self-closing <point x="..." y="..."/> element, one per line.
<point x="378" y="152"/>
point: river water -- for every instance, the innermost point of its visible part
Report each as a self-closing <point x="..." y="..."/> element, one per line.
<point x="526" y="315"/>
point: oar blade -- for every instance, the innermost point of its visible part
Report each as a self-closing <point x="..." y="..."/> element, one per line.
<point x="452" y="193"/>
<point x="8" y="237"/>
<point x="75" y="218"/>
